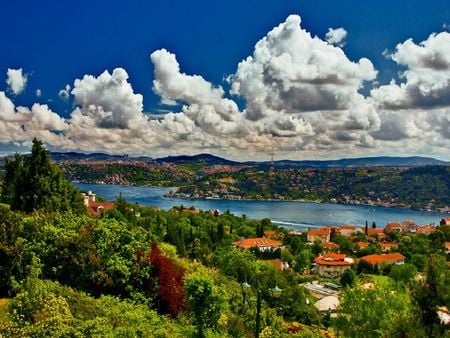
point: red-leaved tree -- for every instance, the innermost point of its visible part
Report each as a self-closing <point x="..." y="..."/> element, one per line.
<point x="170" y="295"/>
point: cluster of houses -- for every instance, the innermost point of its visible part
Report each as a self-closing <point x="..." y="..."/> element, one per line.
<point x="332" y="263"/>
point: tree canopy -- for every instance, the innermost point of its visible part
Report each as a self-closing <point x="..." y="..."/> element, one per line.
<point x="34" y="182"/>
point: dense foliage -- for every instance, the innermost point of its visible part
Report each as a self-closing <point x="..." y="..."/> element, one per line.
<point x="423" y="187"/>
<point x="34" y="182"/>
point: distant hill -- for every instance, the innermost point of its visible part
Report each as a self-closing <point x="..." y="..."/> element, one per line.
<point x="208" y="159"/>
<point x="381" y="161"/>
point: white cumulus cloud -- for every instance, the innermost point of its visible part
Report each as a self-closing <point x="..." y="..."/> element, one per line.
<point x="64" y="93"/>
<point x="336" y="36"/>
<point x="16" y="80"/>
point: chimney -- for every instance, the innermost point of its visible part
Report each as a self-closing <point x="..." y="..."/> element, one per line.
<point x="91" y="196"/>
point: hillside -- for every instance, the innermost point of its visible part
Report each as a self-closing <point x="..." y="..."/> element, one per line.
<point x="208" y="159"/>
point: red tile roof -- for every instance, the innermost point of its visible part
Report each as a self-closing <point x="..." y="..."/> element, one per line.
<point x="96" y="208"/>
<point x="332" y="259"/>
<point x="329" y="245"/>
<point x="408" y="223"/>
<point x="319" y="232"/>
<point x="372" y="231"/>
<point x="391" y="225"/>
<point x="425" y="229"/>
<point x="257" y="242"/>
<point x="348" y="227"/>
<point x="376" y="259"/>
<point x="362" y="245"/>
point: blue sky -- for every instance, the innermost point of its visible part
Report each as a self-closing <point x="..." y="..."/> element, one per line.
<point x="56" y="42"/>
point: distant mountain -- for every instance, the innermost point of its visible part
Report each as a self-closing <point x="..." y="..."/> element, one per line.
<point x="381" y="161"/>
<point x="208" y="159"/>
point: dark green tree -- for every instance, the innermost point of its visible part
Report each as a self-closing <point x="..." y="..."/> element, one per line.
<point x="348" y="278"/>
<point x="35" y="183"/>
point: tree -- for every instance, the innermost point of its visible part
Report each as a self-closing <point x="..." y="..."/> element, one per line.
<point x="34" y="182"/>
<point x="364" y="267"/>
<point x="431" y="293"/>
<point x="302" y="260"/>
<point x="403" y="273"/>
<point x="170" y="293"/>
<point x="377" y="312"/>
<point x="345" y="244"/>
<point x="296" y="245"/>
<point x="204" y="300"/>
<point x="348" y="278"/>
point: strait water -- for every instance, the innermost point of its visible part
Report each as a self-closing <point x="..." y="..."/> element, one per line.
<point x="293" y="215"/>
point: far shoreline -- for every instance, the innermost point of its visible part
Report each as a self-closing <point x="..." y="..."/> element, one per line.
<point x="260" y="200"/>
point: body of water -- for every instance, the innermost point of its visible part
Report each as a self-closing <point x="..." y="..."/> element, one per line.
<point x="288" y="214"/>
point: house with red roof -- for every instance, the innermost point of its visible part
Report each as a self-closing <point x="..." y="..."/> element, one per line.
<point x="362" y="245"/>
<point x="393" y="227"/>
<point x="445" y="221"/>
<point x="332" y="264"/>
<point x="330" y="246"/>
<point x="390" y="258"/>
<point x="93" y="207"/>
<point x="322" y="235"/>
<point x="371" y="232"/>
<point x="347" y="230"/>
<point x="388" y="246"/>
<point x="425" y="229"/>
<point x="263" y="244"/>
<point x="96" y="208"/>
<point x="409" y="226"/>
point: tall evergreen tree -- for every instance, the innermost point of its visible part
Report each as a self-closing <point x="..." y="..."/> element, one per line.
<point x="35" y="183"/>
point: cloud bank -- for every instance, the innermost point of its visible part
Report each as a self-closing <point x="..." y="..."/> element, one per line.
<point x="302" y="96"/>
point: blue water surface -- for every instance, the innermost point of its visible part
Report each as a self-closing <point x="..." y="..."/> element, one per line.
<point x="295" y="215"/>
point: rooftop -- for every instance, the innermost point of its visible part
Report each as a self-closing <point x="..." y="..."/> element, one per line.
<point x="332" y="259"/>
<point x="376" y="259"/>
<point x="257" y="242"/>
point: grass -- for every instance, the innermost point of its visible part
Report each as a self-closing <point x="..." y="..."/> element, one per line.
<point x="380" y="280"/>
